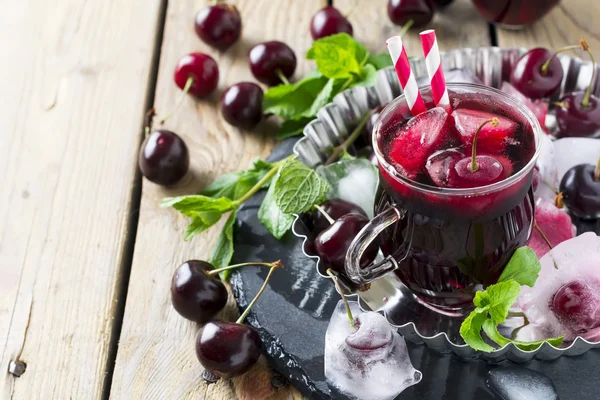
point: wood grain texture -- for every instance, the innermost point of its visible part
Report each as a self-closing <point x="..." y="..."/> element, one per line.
<point x="458" y="25"/>
<point x="562" y="26"/>
<point x="74" y="87"/>
<point x="156" y="358"/>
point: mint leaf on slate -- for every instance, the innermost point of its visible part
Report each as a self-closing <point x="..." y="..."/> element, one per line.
<point x="380" y="61"/>
<point x="298" y="188"/>
<point x="338" y="56"/>
<point x="498" y="299"/>
<point x="470" y="331"/>
<point x="223" y="250"/>
<point x="236" y="184"/>
<point x="523" y="267"/>
<point x="276" y="222"/>
<point x="368" y="76"/>
<point x="293" y="100"/>
<point x="292" y="128"/>
<point x="201" y="222"/>
<point x="491" y="330"/>
<point x="324" y="97"/>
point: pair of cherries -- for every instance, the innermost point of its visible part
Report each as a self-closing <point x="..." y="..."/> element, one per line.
<point x="538" y="74"/>
<point x="225" y="349"/>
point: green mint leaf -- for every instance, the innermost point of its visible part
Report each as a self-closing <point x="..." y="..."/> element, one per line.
<point x="380" y="61"/>
<point x="235" y="185"/>
<point x="368" y="77"/>
<point x="338" y="56"/>
<point x="276" y="222"/>
<point x="291" y="128"/>
<point x="491" y="330"/>
<point x="201" y="222"/>
<point x="523" y="267"/>
<point x="498" y="299"/>
<point x="345" y="156"/>
<point x="192" y="205"/>
<point x="298" y="188"/>
<point x="291" y="101"/>
<point x="223" y="250"/>
<point x="324" y="97"/>
<point x="470" y="330"/>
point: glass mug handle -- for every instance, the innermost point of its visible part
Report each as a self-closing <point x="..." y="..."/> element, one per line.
<point x="362" y="276"/>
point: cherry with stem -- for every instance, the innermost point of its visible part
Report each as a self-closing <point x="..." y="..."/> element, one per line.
<point x="580" y="191"/>
<point x="474" y="165"/>
<point x="229" y="349"/>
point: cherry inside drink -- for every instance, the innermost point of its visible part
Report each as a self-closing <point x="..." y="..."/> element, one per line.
<point x="463" y="221"/>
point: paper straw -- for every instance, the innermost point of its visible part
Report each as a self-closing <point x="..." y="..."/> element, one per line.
<point x="405" y="75"/>
<point x="433" y="62"/>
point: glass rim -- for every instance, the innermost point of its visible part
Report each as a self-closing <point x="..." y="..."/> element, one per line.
<point x="480" y="190"/>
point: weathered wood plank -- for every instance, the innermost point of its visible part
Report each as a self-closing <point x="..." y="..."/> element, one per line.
<point x="74" y="87"/>
<point x="458" y="25"/>
<point x="562" y="26"/>
<point x="156" y="358"/>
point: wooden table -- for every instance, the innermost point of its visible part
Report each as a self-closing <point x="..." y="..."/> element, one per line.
<point x="86" y="255"/>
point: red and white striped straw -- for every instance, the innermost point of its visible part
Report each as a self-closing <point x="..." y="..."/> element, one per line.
<point x="433" y="62"/>
<point x="405" y="75"/>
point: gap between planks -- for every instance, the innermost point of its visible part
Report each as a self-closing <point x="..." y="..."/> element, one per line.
<point x="134" y="213"/>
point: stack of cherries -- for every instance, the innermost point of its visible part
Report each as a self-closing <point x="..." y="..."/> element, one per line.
<point x="225" y="349"/>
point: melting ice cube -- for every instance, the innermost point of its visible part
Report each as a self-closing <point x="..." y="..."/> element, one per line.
<point x="369" y="361"/>
<point x="546" y="172"/>
<point x="514" y="383"/>
<point x="491" y="139"/>
<point x="554" y="223"/>
<point x="566" y="297"/>
<point x="573" y="151"/>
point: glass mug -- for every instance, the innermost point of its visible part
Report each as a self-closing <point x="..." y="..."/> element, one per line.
<point x="446" y="244"/>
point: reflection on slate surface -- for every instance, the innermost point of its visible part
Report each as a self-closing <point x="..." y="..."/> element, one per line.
<point x="293" y="313"/>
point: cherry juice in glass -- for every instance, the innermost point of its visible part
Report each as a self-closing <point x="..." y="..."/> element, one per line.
<point x="459" y="222"/>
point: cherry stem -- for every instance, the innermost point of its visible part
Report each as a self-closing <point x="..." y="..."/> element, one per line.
<point x="331" y="220"/>
<point x="558" y="200"/>
<point x="561" y="104"/>
<point x="336" y="282"/>
<point x="277" y="264"/>
<point x="597" y="172"/>
<point x="474" y="167"/>
<point x="546" y="65"/>
<point x="148" y="122"/>
<point x="542" y="234"/>
<point x="281" y="76"/>
<point x="235" y="266"/>
<point x="186" y="89"/>
<point x="262" y="181"/>
<point x="406" y="27"/>
<point x="588" y="93"/>
<point x="338" y="150"/>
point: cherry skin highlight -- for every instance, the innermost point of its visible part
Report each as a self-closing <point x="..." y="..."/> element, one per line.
<point x="269" y="61"/>
<point x="164" y="158"/>
<point x="530" y="79"/>
<point x="200" y="67"/>
<point x="329" y="21"/>
<point x="335" y="208"/>
<point x="241" y="105"/>
<point x="581" y="191"/>
<point x="219" y="25"/>
<point x="195" y="295"/>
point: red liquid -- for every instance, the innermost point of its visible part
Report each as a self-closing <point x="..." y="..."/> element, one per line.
<point x="514" y="12"/>
<point x="456" y="245"/>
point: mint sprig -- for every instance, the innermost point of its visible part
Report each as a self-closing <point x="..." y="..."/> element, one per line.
<point x="493" y="304"/>
<point x="342" y="63"/>
<point x="298" y="188"/>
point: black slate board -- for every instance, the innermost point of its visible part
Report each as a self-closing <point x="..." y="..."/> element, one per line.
<point x="293" y="313"/>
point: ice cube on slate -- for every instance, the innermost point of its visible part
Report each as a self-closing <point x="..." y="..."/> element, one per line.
<point x="566" y="297"/>
<point x="419" y="138"/>
<point x="370" y="361"/>
<point x="573" y="151"/>
<point x="539" y="108"/>
<point x="516" y="383"/>
<point x="491" y="139"/>
<point x="546" y="172"/>
<point x="555" y="223"/>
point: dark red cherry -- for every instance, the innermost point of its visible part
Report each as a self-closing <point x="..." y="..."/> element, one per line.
<point x="580" y="189"/>
<point x="329" y="21"/>
<point x="533" y="78"/>
<point x="490" y="170"/>
<point x="575" y="304"/>
<point x="196" y="295"/>
<point x="335" y="208"/>
<point x="401" y="11"/>
<point x="164" y="158"/>
<point x="332" y="244"/>
<point x="272" y="62"/>
<point x="241" y="105"/>
<point x="227" y="349"/>
<point x="575" y="120"/>
<point x="218" y="25"/>
<point x="202" y="69"/>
